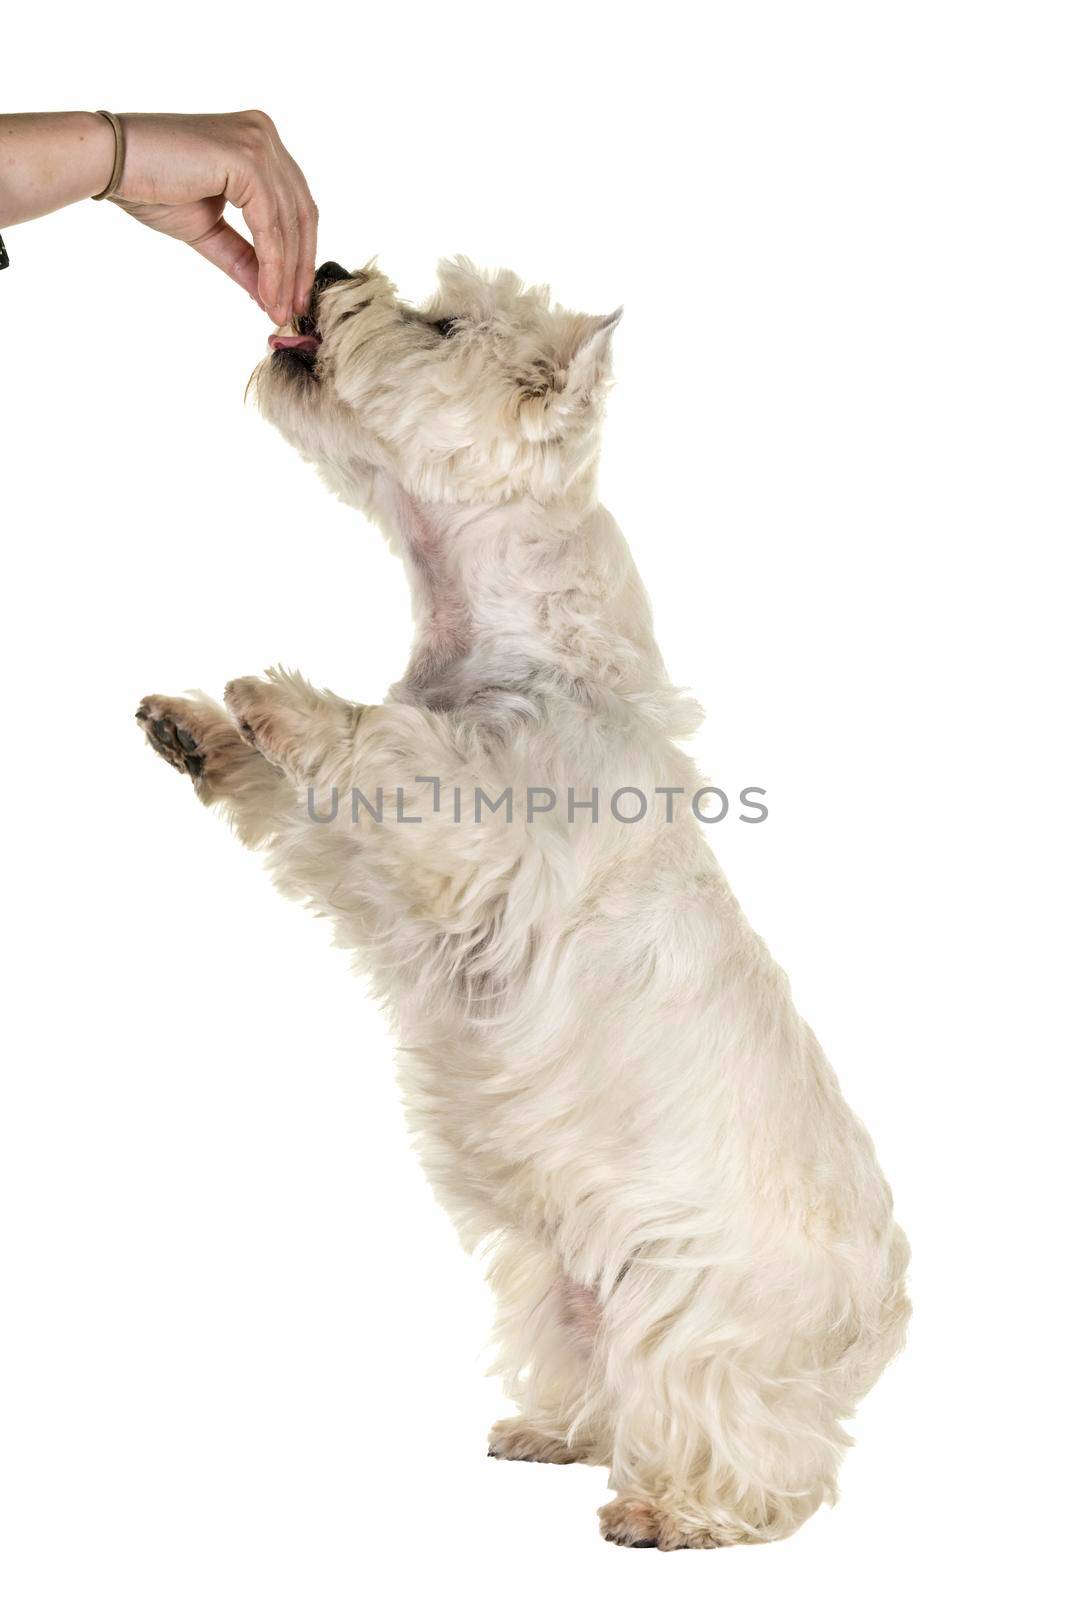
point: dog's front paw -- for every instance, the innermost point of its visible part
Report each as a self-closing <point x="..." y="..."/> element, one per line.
<point x="248" y="702"/>
<point x="293" y="725"/>
<point x="274" y="715"/>
<point x="176" y="731"/>
<point x="195" y="737"/>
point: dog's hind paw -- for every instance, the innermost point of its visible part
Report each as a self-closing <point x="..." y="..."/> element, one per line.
<point x="640" y="1525"/>
<point x="515" y="1439"/>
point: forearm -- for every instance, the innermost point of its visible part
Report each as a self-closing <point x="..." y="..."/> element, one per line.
<point x="50" y="159"/>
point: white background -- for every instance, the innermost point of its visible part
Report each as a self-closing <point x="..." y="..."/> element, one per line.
<point x="241" y="1353"/>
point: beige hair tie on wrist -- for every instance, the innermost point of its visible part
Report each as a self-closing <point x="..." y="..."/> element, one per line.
<point x="120" y="157"/>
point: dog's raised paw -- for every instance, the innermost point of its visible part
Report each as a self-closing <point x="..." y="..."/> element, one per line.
<point x="250" y="702"/>
<point x="170" y="728"/>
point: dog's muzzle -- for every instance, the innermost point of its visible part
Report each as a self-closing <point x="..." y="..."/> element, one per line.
<point x="301" y="345"/>
<point x="330" y="272"/>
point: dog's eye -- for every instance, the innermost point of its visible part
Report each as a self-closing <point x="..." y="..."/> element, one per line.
<point x="446" y="327"/>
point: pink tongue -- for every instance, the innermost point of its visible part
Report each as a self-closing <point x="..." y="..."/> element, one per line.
<point x="294" y="341"/>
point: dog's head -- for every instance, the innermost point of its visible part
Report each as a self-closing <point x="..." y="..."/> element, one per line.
<point x="487" y="393"/>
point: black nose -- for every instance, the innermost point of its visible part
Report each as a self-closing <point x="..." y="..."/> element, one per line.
<point x="330" y="272"/>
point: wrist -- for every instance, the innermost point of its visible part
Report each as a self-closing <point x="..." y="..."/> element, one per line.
<point x="149" y="137"/>
<point x="118" y="159"/>
<point x="92" y="145"/>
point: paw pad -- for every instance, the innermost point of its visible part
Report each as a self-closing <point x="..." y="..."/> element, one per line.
<point x="170" y="739"/>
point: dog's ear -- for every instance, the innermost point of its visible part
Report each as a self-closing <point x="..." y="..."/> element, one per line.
<point x="590" y="362"/>
<point x="577" y="369"/>
<point x="581" y="368"/>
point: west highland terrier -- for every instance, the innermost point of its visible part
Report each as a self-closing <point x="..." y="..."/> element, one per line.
<point x="692" y="1244"/>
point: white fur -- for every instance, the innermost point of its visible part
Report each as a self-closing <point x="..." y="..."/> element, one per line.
<point x="691" y="1241"/>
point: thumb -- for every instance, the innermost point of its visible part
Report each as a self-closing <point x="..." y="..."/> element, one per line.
<point x="232" y="252"/>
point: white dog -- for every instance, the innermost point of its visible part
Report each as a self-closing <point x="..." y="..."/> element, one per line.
<point x="692" y="1243"/>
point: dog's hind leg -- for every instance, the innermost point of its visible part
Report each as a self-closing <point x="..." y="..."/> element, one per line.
<point x="198" y="738"/>
<point x="546" y="1334"/>
<point x="727" y="1417"/>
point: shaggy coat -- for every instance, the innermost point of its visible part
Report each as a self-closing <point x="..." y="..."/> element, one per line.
<point x="691" y="1242"/>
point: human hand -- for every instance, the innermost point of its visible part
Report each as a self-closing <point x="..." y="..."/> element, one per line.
<point x="181" y="171"/>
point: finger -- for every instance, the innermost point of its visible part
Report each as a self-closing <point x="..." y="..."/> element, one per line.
<point x="232" y="252"/>
<point x="264" y="224"/>
<point x="309" y="231"/>
<point x="291" y="245"/>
